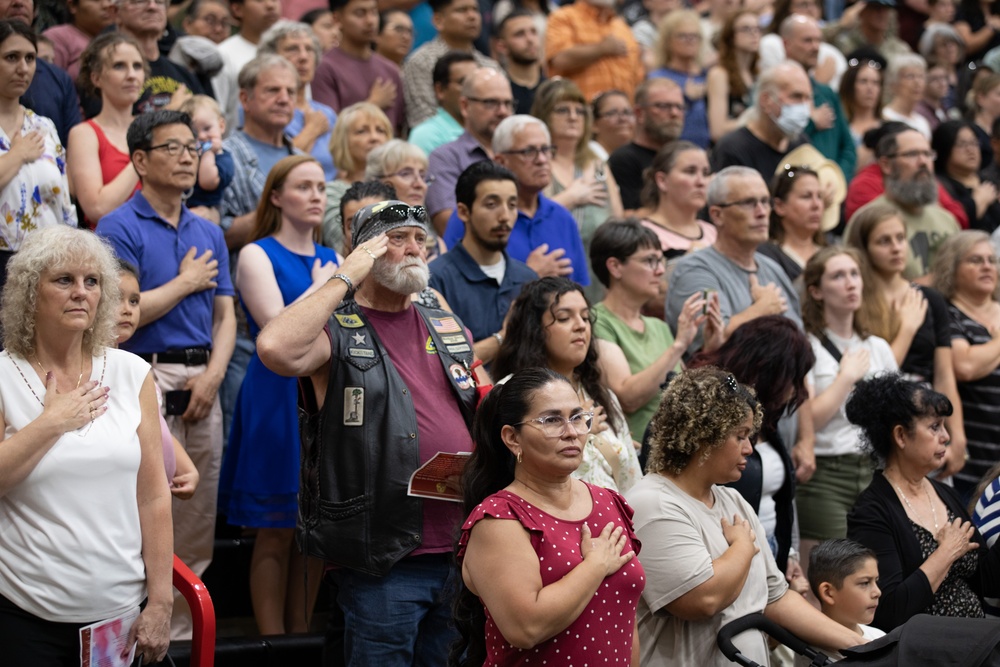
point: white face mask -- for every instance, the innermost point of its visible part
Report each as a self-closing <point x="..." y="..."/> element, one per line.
<point x="793" y="118"/>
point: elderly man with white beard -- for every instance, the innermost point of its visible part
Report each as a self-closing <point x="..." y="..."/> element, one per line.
<point x="907" y="164"/>
<point x="390" y="385"/>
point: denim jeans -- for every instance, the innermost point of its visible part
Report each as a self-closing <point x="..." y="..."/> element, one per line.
<point x="402" y="619"/>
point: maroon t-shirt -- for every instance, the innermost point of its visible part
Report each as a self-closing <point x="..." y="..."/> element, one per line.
<point x="440" y="426"/>
<point x="341" y="80"/>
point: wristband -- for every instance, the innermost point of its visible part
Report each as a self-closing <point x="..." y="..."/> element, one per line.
<point x="347" y="281"/>
<point x="499" y="337"/>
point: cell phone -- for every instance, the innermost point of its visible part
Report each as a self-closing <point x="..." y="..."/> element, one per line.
<point x="177" y="401"/>
<point x="704" y="306"/>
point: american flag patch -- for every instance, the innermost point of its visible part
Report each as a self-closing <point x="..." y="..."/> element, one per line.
<point x="445" y="325"/>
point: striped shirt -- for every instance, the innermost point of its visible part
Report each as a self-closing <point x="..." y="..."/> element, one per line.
<point x="980" y="404"/>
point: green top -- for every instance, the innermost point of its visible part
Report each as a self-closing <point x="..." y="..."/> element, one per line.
<point x="641" y="349"/>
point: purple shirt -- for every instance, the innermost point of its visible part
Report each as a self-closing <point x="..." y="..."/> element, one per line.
<point x="341" y="80"/>
<point x="447" y="163"/>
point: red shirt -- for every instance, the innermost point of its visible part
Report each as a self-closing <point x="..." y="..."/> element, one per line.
<point x="867" y="185"/>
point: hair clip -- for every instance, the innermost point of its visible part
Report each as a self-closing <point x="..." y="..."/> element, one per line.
<point x="731" y="383"/>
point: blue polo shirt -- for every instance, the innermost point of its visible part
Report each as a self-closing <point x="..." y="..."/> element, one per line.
<point x="552" y="224"/>
<point x="475" y="297"/>
<point x="140" y="236"/>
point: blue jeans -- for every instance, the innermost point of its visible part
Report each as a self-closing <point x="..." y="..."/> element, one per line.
<point x="402" y="619"/>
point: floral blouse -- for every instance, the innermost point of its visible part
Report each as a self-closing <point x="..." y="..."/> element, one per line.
<point x="38" y="196"/>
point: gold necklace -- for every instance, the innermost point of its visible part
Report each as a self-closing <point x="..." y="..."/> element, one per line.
<point x="45" y="373"/>
<point x="927" y="493"/>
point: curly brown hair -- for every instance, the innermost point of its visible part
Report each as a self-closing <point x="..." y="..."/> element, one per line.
<point x="698" y="411"/>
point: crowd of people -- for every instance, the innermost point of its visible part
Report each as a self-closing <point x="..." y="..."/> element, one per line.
<point x="679" y="311"/>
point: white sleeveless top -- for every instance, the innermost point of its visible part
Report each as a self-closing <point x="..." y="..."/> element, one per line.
<point x="70" y="543"/>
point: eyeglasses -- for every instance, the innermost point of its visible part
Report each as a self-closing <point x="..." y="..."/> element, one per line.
<point x="874" y="64"/>
<point x="174" y="148"/>
<point x="410" y="175"/>
<point x="570" y="110"/>
<point x="980" y="260"/>
<point x="532" y="152"/>
<point x="688" y="36"/>
<point x="749" y="204"/>
<point x="667" y="106"/>
<point x="913" y="155"/>
<point x="141" y="3"/>
<point x="653" y="262"/>
<point x="553" y="426"/>
<point x="214" y="22"/>
<point x="967" y="144"/>
<point x="616" y="113"/>
<point x="492" y="103"/>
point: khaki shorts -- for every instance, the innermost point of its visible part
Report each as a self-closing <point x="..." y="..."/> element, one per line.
<point x="824" y="501"/>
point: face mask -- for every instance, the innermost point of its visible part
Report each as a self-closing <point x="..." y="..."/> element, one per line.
<point x="793" y="118"/>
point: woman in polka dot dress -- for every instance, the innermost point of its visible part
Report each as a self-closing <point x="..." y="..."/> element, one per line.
<point x="706" y="554"/>
<point x="548" y="561"/>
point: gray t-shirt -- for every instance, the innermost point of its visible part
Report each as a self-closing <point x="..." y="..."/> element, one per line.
<point x="708" y="269"/>
<point x="681" y="537"/>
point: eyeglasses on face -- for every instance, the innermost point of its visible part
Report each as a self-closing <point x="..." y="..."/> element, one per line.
<point x="652" y="262"/>
<point x="749" y="204"/>
<point x="174" y="148"/>
<point x="410" y="175"/>
<point x="554" y="426"/>
<point x="532" y="152"/>
<point x="492" y="103"/>
<point x="142" y="3"/>
<point x="570" y="110"/>
<point x="980" y="260"/>
<point x="214" y="22"/>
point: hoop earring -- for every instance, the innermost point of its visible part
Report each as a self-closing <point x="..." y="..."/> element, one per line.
<point x="519" y="457"/>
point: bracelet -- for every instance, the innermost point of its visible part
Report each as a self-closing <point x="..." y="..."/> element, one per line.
<point x="347" y="281"/>
<point x="499" y="337"/>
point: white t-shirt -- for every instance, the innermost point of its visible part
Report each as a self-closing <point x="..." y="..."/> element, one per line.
<point x="772" y="478"/>
<point x="680" y="538"/>
<point x="839" y="436"/>
<point x="70" y="541"/>
<point x="495" y="271"/>
<point x="914" y="120"/>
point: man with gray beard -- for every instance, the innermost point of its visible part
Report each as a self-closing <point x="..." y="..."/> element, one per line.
<point x="907" y="164"/>
<point x="388" y="385"/>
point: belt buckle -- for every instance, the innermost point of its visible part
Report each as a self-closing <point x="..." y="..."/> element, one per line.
<point x="189" y="356"/>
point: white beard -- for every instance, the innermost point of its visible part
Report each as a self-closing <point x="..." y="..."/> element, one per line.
<point x="407" y="277"/>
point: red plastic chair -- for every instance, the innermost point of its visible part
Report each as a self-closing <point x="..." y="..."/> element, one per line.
<point x="202" y="614"/>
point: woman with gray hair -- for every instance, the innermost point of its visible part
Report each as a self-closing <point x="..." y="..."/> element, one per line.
<point x="312" y="121"/>
<point x="943" y="46"/>
<point x="404" y="166"/>
<point x="965" y="272"/>
<point x="83" y="494"/>
<point x="903" y="89"/>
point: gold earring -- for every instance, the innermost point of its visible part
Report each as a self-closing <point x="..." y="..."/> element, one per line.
<point x="519" y="457"/>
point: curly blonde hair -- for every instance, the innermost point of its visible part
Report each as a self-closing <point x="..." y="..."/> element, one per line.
<point x="699" y="409"/>
<point x="45" y="251"/>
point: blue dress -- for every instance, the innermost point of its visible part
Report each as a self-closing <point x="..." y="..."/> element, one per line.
<point x="259" y="481"/>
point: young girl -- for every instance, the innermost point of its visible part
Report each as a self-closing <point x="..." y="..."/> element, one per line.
<point x="182" y="475"/>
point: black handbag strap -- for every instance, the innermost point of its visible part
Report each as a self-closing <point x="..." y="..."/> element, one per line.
<point x="830" y="347"/>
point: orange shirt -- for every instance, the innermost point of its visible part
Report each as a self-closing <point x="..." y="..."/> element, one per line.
<point x="579" y="24"/>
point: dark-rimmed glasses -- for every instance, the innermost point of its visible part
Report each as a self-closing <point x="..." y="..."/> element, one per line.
<point x="174" y="148"/>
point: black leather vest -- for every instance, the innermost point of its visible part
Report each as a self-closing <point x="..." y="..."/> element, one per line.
<point x="359" y="451"/>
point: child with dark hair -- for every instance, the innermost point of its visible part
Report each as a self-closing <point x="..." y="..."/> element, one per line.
<point x="843" y="576"/>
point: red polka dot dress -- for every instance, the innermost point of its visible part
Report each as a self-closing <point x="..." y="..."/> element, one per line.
<point x="602" y="635"/>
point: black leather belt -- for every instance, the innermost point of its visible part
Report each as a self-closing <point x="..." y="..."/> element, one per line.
<point x="192" y="356"/>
